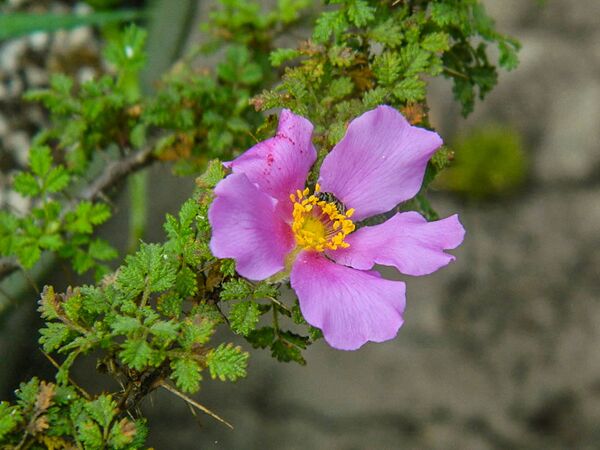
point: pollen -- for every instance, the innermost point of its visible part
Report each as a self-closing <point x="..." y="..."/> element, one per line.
<point x="320" y="224"/>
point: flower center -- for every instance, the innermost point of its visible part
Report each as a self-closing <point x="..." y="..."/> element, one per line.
<point x="321" y="221"/>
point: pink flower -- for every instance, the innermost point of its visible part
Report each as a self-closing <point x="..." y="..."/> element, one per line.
<point x="268" y="222"/>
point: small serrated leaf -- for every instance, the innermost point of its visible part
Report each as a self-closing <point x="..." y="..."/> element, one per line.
<point x="262" y="337"/>
<point x="244" y="316"/>
<point x="26" y="184"/>
<point x="40" y="161"/>
<point x="125" y="325"/>
<point x="136" y="353"/>
<point x="186" y="374"/>
<point x="227" y="362"/>
<point x="57" y="179"/>
<point x="53" y="335"/>
<point x="236" y="289"/>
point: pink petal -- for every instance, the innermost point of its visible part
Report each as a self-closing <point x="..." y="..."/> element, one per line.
<point x="247" y="228"/>
<point x="406" y="241"/>
<point x="280" y="165"/>
<point x="350" y="306"/>
<point x="379" y="163"/>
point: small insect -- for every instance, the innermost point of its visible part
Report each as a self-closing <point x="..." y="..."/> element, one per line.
<point x="330" y="198"/>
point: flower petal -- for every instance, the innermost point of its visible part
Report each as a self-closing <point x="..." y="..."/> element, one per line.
<point x="247" y="228"/>
<point x="406" y="241"/>
<point x="280" y="165"/>
<point x="379" y="163"/>
<point x="350" y="306"/>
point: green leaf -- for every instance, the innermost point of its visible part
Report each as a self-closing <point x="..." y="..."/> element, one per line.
<point x="89" y="433"/>
<point x="126" y="52"/>
<point x="227" y="362"/>
<point x="228" y="267"/>
<point x="185" y="282"/>
<point x="388" y="33"/>
<point x="282" y="55"/>
<point x="99" y="213"/>
<point x="328" y="23"/>
<point x="136" y="353"/>
<point x="186" y="374"/>
<point x="51" y="241"/>
<point x="102" y="410"/>
<point x="196" y="331"/>
<point x="48" y="304"/>
<point x="360" y="13"/>
<point x="94" y="300"/>
<point x="213" y="174"/>
<point x="236" y="289"/>
<point x="286" y="351"/>
<point x="29" y="253"/>
<point x="170" y="304"/>
<point x="374" y="97"/>
<point x="123" y="433"/>
<point x="295" y="339"/>
<point x="341" y="87"/>
<point x="436" y="42"/>
<point x="138" y="135"/>
<point x="85" y="216"/>
<point x="165" y="331"/>
<point x="262" y="337"/>
<point x="27" y="393"/>
<point x="508" y="54"/>
<point x="26" y="184"/>
<point x="386" y="67"/>
<point x="151" y="269"/>
<point x="40" y="161"/>
<point x="188" y="212"/>
<point x="243" y="317"/>
<point x="57" y="179"/>
<point x="410" y="90"/>
<point x="53" y="335"/>
<point x="251" y="74"/>
<point x="102" y="250"/>
<point x="125" y="325"/>
<point x="9" y="419"/>
<point x="264" y="290"/>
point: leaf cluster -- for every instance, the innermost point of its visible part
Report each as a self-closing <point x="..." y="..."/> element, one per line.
<point x="249" y="301"/>
<point x="47" y="415"/>
<point x="49" y="226"/>
<point x="363" y="53"/>
<point x="194" y="115"/>
<point x="153" y="319"/>
<point x="366" y="53"/>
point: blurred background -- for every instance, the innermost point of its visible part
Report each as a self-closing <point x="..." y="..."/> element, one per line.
<point x="499" y="350"/>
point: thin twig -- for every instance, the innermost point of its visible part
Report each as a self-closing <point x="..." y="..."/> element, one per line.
<point x="194" y="403"/>
<point x="455" y="73"/>
<point x="278" y="303"/>
<point x="57" y="367"/>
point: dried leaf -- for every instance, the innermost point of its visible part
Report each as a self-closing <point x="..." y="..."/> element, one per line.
<point x="45" y="396"/>
<point x="415" y="113"/>
<point x="128" y="428"/>
<point x="40" y="425"/>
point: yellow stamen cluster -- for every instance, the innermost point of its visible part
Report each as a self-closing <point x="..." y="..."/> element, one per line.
<point x="319" y="225"/>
